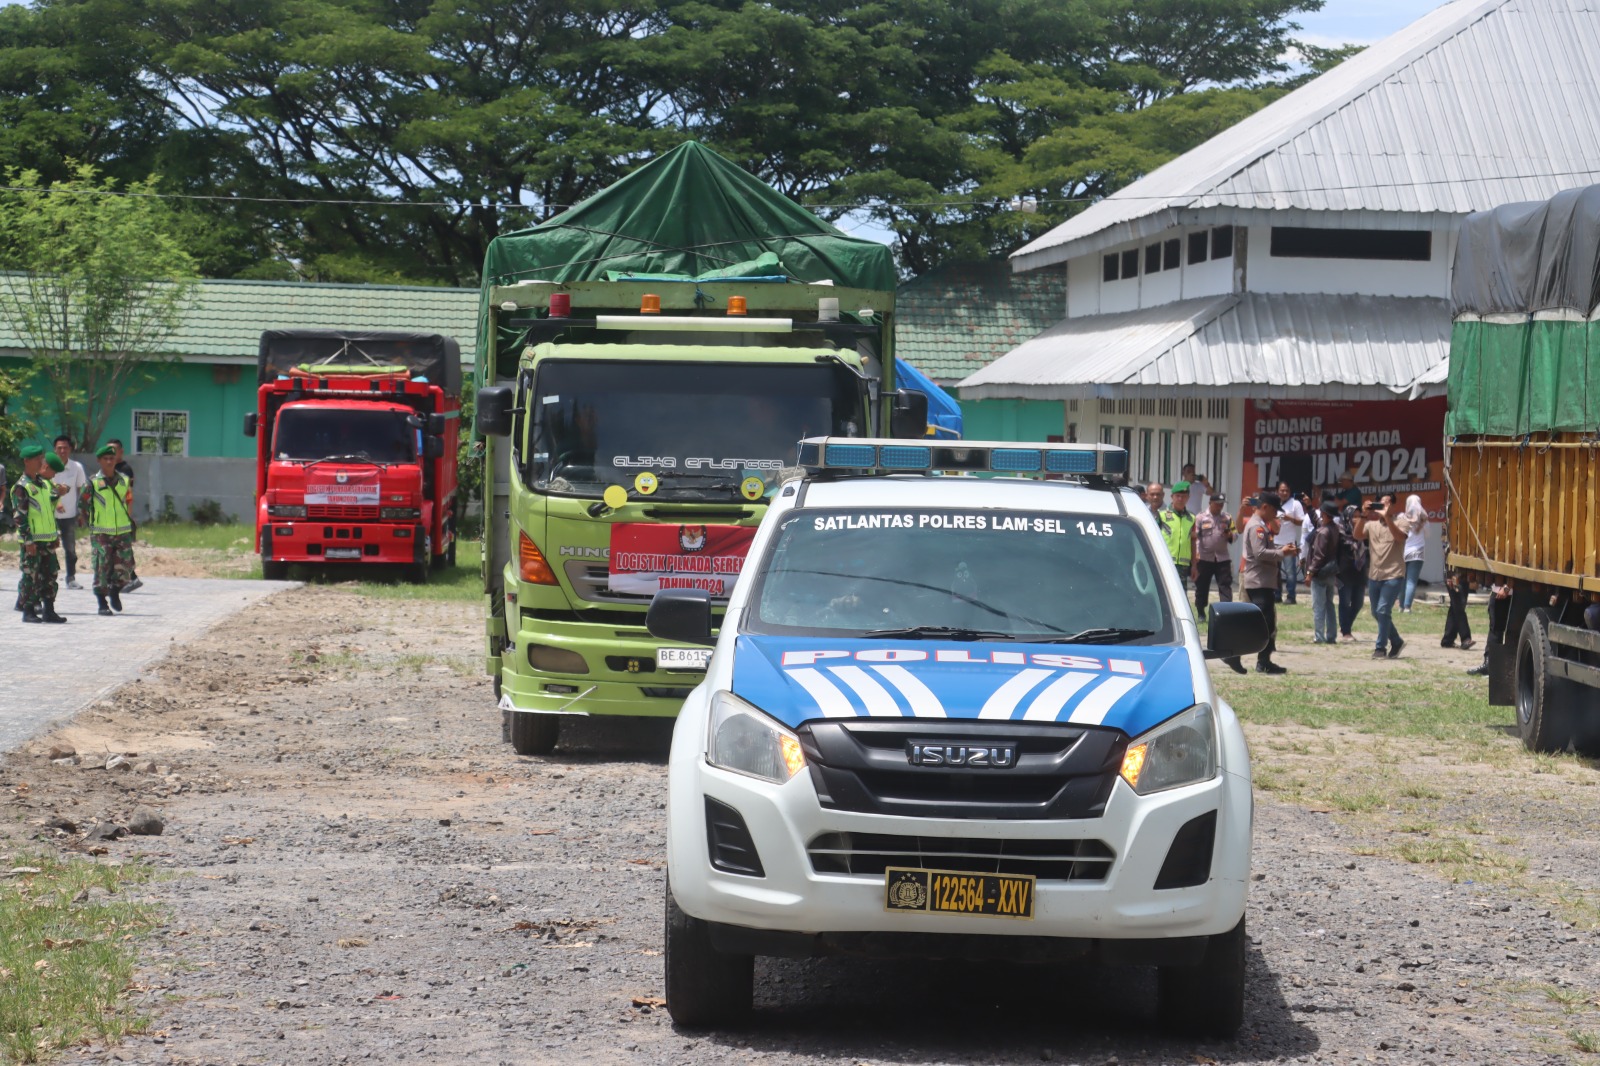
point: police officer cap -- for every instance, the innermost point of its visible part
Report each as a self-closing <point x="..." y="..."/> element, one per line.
<point x="1269" y="499"/>
<point x="31" y="451"/>
<point x="1180" y="486"/>
<point x="53" y="461"/>
<point x="105" y="450"/>
<point x="1219" y="497"/>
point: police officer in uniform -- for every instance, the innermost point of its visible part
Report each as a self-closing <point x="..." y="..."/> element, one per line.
<point x="33" y="498"/>
<point x="108" y="501"/>
<point x="1177" y="529"/>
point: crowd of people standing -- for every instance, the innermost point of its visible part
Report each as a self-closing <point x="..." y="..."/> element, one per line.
<point x="1350" y="552"/>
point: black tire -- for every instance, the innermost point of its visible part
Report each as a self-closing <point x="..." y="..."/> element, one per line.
<point x="417" y="573"/>
<point x="705" y="987"/>
<point x="273" y="571"/>
<point x="1206" y="1000"/>
<point x="450" y="555"/>
<point x="534" y="734"/>
<point x="1547" y="707"/>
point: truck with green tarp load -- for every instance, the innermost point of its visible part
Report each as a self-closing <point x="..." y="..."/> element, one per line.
<point x="1522" y="434"/>
<point x="648" y="361"/>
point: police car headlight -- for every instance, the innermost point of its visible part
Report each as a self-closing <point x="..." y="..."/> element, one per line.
<point x="1180" y="751"/>
<point x="748" y="742"/>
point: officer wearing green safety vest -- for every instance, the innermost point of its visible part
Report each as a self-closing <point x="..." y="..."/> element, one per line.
<point x="33" y="498"/>
<point x="108" y="499"/>
<point x="1177" y="529"/>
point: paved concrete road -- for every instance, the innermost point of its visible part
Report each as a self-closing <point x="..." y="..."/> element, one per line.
<point x="50" y="672"/>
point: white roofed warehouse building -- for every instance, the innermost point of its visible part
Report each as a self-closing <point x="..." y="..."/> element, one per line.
<point x="1274" y="302"/>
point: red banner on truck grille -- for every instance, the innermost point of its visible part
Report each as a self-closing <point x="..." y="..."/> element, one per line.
<point x="646" y="557"/>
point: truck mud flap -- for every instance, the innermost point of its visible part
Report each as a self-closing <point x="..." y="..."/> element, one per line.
<point x="1502" y="674"/>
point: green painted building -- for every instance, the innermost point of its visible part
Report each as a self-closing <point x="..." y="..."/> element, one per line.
<point x="195" y="407"/>
<point x="960" y="318"/>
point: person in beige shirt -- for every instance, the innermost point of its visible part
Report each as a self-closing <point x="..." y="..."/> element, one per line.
<point x="1263" y="560"/>
<point x="1384" y="526"/>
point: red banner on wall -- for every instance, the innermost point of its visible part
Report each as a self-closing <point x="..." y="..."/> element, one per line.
<point x="647" y="557"/>
<point x="1388" y="445"/>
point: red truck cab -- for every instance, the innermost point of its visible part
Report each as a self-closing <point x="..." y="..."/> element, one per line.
<point x="357" y="438"/>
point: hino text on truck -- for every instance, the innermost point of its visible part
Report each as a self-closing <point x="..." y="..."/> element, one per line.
<point x="648" y="361"/>
<point x="1520" y="443"/>
<point x="356" y="440"/>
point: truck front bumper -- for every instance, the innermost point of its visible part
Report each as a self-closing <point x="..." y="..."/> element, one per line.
<point x="302" y="541"/>
<point x="622" y="676"/>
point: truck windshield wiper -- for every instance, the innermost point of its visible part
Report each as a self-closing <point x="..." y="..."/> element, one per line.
<point x="1095" y="636"/>
<point x="361" y="458"/>
<point x="940" y="633"/>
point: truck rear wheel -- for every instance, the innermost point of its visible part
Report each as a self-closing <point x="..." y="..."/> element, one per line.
<point x="1547" y="707"/>
<point x="417" y="573"/>
<point x="272" y="571"/>
<point x="705" y="987"/>
<point x="1206" y="999"/>
<point x="534" y="734"/>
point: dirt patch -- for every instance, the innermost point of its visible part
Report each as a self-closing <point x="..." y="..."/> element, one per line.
<point x="362" y="870"/>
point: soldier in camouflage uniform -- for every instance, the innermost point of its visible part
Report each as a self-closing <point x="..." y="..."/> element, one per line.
<point x="33" y="498"/>
<point x="108" y="501"/>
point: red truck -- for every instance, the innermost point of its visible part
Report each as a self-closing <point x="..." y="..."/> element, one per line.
<point x="356" y="436"/>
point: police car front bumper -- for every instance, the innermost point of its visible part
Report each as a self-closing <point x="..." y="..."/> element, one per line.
<point x="792" y="909"/>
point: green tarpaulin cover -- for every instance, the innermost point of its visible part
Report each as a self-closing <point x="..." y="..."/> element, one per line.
<point x="1525" y="344"/>
<point x="693" y="215"/>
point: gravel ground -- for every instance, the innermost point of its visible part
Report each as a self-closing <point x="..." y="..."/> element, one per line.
<point x="362" y="872"/>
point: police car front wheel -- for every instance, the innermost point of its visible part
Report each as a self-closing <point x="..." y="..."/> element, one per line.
<point x="1206" y="999"/>
<point x="705" y="987"/>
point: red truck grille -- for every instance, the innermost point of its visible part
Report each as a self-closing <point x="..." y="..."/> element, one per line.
<point x="344" y="513"/>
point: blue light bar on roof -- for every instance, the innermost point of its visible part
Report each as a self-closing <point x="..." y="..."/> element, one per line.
<point x="977" y="456"/>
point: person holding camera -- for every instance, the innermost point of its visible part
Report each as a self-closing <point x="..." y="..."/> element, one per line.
<point x="1291" y="521"/>
<point x="1263" y="560"/>
<point x="1384" y="527"/>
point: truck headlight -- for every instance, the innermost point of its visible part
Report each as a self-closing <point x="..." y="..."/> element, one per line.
<point x="1180" y="751"/>
<point x="392" y="513"/>
<point x="748" y="742"/>
<point x="286" y="510"/>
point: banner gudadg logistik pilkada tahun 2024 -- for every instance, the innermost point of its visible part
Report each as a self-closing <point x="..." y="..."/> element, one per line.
<point x="1389" y="445"/>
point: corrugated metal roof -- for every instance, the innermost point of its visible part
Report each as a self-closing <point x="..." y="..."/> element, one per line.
<point x="228" y="316"/>
<point x="958" y="318"/>
<point x="1477" y="103"/>
<point x="1259" y="345"/>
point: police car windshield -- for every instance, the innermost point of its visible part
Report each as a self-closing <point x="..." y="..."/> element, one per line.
<point x="701" y="429"/>
<point x="944" y="573"/>
<point x="306" y="434"/>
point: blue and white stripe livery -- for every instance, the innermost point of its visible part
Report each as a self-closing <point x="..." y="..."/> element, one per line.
<point x="798" y="679"/>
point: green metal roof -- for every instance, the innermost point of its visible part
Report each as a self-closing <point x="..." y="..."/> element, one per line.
<point x="228" y="316"/>
<point x="962" y="317"/>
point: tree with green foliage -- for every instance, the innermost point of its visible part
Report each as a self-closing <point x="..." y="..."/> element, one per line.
<point x="96" y="282"/>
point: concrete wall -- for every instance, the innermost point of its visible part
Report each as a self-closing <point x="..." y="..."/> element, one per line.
<point x="1367" y="277"/>
<point x="191" y="481"/>
<point x="1089" y="294"/>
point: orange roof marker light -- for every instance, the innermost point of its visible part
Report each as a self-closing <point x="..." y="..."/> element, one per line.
<point x="736" y="306"/>
<point x="650" y="304"/>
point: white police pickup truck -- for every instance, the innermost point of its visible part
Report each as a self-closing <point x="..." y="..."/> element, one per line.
<point x="958" y="717"/>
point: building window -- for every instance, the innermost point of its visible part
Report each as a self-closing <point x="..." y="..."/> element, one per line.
<point x="1222" y="242"/>
<point x="1172" y="254"/>
<point x="1147" y="408"/>
<point x="1218" y="458"/>
<point x="1194" y="408"/>
<point x="1072" y="433"/>
<point x="1108" y="407"/>
<point x="1198" y="242"/>
<point x="1130" y="263"/>
<point x="1152" y="258"/>
<point x="1072" y="405"/>
<point x="1169" y="408"/>
<point x="1217" y="409"/>
<point x="1108" y="268"/>
<point x="1166" y="455"/>
<point x="160" y="433"/>
<point x="1147" y="453"/>
<point x="1302" y="242"/>
<point x="1126" y="436"/>
<point x="1108" y="435"/>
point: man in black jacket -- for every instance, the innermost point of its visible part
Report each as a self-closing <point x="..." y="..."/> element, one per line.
<point x="1322" y="573"/>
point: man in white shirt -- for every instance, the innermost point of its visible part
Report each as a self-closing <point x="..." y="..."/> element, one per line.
<point x="1199" y="490"/>
<point x="72" y="479"/>
<point x="1291" y="523"/>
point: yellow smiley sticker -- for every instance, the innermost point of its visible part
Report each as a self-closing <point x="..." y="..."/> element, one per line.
<point x="646" y="483"/>
<point x="614" y="496"/>
<point x="752" y="488"/>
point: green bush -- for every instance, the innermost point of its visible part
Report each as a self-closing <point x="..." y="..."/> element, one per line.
<point x="207" y="513"/>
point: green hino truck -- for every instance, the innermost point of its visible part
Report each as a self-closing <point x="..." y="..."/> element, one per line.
<point x="647" y="362"/>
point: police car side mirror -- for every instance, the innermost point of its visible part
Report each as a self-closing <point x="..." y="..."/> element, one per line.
<point x="250" y="421"/>
<point x="909" y="416"/>
<point x="1236" y="629"/>
<point x="681" y="615"/>
<point x="493" y="416"/>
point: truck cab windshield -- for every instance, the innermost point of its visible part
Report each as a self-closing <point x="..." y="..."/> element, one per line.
<point x="307" y="434"/>
<point x="700" y="428"/>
